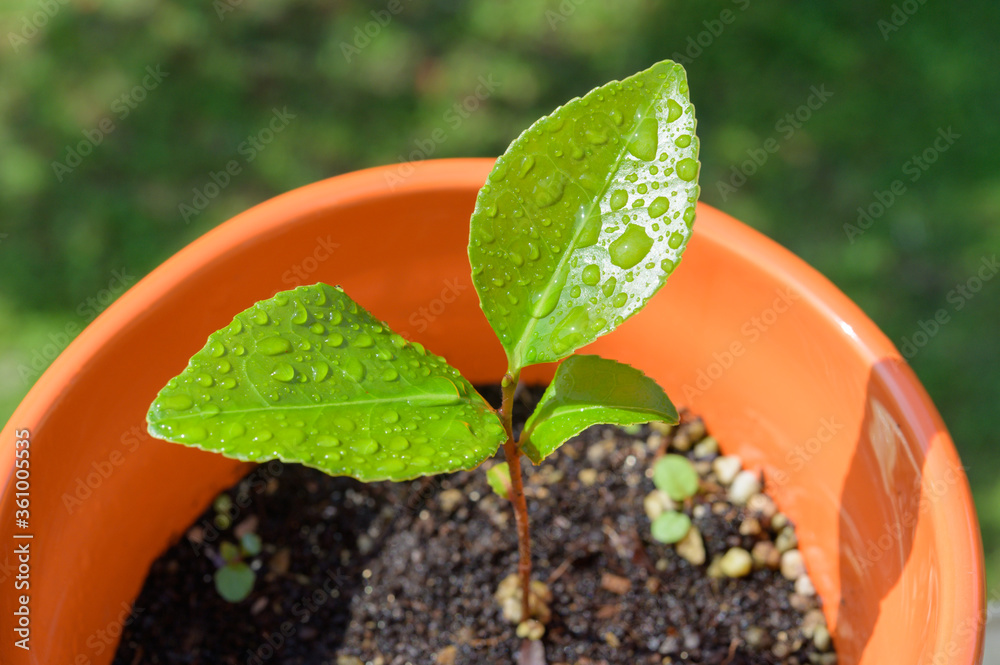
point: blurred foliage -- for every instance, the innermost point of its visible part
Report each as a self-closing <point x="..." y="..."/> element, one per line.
<point x="230" y="63"/>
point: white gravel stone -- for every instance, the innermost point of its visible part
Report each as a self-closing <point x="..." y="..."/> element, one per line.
<point x="726" y="468"/>
<point x="792" y="565"/>
<point x="736" y="562"/>
<point x="744" y="486"/>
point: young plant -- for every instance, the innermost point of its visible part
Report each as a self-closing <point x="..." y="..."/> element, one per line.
<point x="234" y="579"/>
<point x="581" y="221"/>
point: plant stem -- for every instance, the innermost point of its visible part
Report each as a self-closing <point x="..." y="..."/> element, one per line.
<point x="513" y="454"/>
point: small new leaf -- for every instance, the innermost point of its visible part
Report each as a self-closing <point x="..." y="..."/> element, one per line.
<point x="671" y="526"/>
<point x="589" y="390"/>
<point x="675" y="475"/>
<point x="499" y="479"/>
<point x="234" y="581"/>
<point x="309" y="376"/>
<point x="586" y="215"/>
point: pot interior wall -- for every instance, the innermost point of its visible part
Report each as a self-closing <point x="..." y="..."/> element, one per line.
<point x="782" y="375"/>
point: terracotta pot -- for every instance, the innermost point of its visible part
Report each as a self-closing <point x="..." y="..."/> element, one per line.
<point x="786" y="371"/>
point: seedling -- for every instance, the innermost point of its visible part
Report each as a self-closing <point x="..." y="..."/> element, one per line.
<point x="234" y="579"/>
<point x="581" y="221"/>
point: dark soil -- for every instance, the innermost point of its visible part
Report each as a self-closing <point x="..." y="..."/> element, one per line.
<point x="389" y="574"/>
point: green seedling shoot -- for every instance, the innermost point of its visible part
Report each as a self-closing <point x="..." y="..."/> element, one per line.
<point x="581" y="221"/>
<point x="234" y="579"/>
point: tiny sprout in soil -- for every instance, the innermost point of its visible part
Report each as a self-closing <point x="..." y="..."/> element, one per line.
<point x="580" y="222"/>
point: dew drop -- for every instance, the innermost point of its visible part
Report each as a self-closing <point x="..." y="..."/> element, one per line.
<point x="283" y="372"/>
<point x="364" y="340"/>
<point x="618" y="199"/>
<point x="526" y="165"/>
<point x="390" y="375"/>
<point x="659" y="206"/>
<point x="273" y="346"/>
<point x="193" y="433"/>
<point x="335" y="339"/>
<point x="301" y="315"/>
<point x="327" y="441"/>
<point x="674" y="110"/>
<point x="630" y="247"/>
<point x="667" y="265"/>
<point x="317" y="329"/>
<point x="591" y="229"/>
<point x="609" y="287"/>
<point x="620" y="300"/>
<point x="643" y="141"/>
<point x="398" y="444"/>
<point x="641" y="188"/>
<point x="176" y="402"/>
<point x="320" y="371"/>
<point x="571" y="330"/>
<point x="366" y="446"/>
<point x="575" y="291"/>
<point x="516" y="259"/>
<point x="354" y="369"/>
<point x="390" y="417"/>
<point x="204" y="379"/>
<point x="687" y="169"/>
<point x="682" y="141"/>
<point x="216" y="349"/>
<point x="689" y="216"/>
<point x="591" y="275"/>
<point x="676" y="240"/>
<point x="336" y="317"/>
<point x="260" y="317"/>
<point x="227" y="382"/>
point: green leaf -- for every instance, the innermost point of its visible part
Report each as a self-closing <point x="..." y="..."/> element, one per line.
<point x="675" y="475"/>
<point x="251" y="544"/>
<point x="589" y="390"/>
<point x="499" y="479"/>
<point x="234" y="581"/>
<point x="670" y="527"/>
<point x="586" y="215"/>
<point x="229" y="552"/>
<point x="309" y="376"/>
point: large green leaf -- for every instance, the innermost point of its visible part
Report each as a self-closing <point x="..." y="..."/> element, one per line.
<point x="586" y="215"/>
<point x="590" y="390"/>
<point x="309" y="376"/>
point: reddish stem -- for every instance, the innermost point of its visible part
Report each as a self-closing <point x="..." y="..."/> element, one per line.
<point x="513" y="454"/>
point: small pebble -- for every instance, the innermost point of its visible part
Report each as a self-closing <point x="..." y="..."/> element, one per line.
<point x="615" y="583"/>
<point x="745" y="485"/>
<point x="755" y="637"/>
<point x="766" y="555"/>
<point x="612" y="640"/>
<point x="449" y="499"/>
<point x="786" y="540"/>
<point x="736" y="563"/>
<point x="726" y="468"/>
<point x="446" y="656"/>
<point x="530" y="629"/>
<point x="750" y="527"/>
<point x="779" y="521"/>
<point x="762" y="505"/>
<point x="707" y="447"/>
<point x="349" y="660"/>
<point x="691" y="547"/>
<point x="588" y="477"/>
<point x="715" y="568"/>
<point x="656" y="503"/>
<point x="804" y="586"/>
<point x="792" y="565"/>
<point x="821" y="638"/>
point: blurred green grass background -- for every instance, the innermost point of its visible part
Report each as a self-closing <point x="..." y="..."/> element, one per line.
<point x="897" y="75"/>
